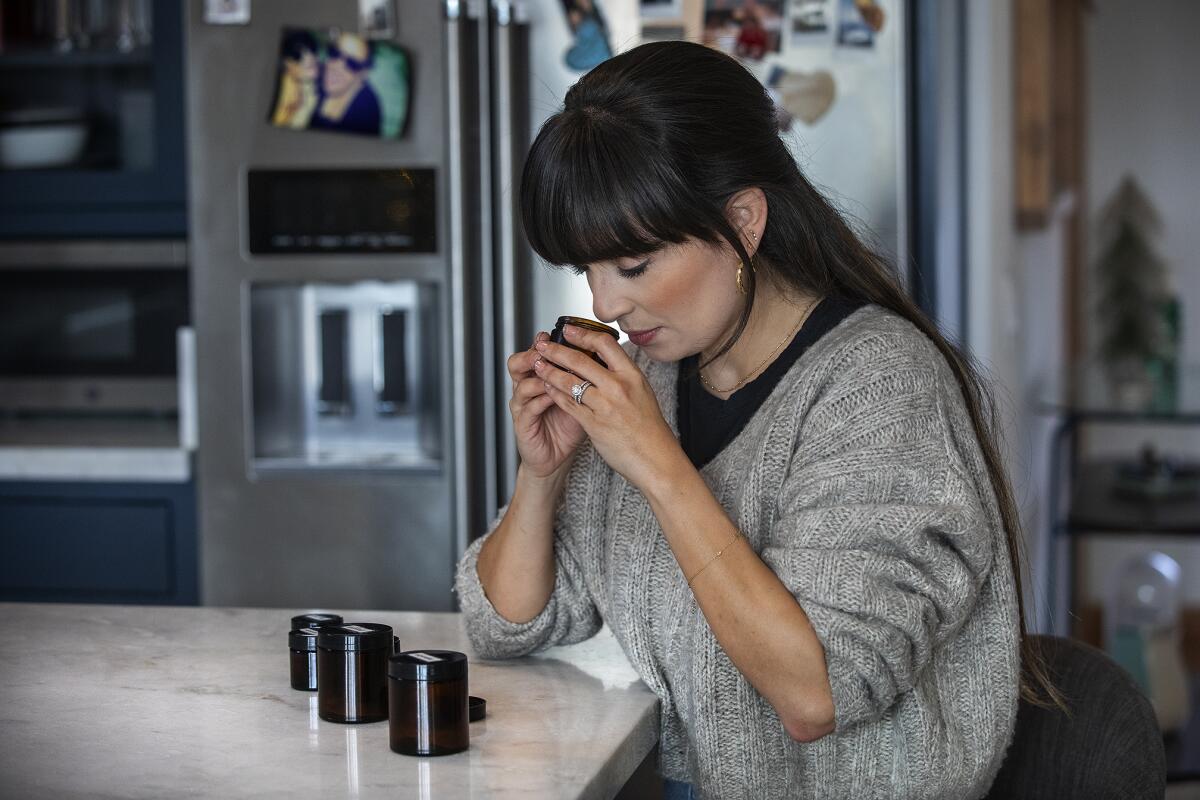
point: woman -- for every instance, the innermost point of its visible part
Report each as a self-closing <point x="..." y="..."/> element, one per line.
<point x="782" y="497"/>
<point x="296" y="96"/>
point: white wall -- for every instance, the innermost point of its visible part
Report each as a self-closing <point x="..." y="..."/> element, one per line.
<point x="1144" y="118"/>
<point x="1041" y="268"/>
<point x="1013" y="319"/>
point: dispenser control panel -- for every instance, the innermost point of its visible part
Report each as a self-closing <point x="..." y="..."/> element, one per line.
<point x="341" y="211"/>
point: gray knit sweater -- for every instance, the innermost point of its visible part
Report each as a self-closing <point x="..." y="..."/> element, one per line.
<point x="860" y="483"/>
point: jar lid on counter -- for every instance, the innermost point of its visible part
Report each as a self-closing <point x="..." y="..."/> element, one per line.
<point x="477" y="708"/>
<point x="428" y="665"/>
<point x="303" y="639"/>
<point x="355" y="636"/>
<point x="315" y="619"/>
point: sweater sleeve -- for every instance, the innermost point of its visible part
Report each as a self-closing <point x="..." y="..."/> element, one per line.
<point x="880" y="534"/>
<point x="570" y="615"/>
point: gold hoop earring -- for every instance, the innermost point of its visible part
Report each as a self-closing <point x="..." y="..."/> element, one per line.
<point x="741" y="287"/>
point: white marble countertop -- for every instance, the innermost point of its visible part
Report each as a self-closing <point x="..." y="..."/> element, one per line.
<point x="87" y="449"/>
<point x="161" y="701"/>
<point x="116" y="464"/>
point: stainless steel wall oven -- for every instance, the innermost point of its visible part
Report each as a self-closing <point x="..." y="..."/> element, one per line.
<point x="91" y="327"/>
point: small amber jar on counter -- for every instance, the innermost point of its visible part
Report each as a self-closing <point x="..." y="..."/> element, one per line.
<point x="556" y="335"/>
<point x="352" y="663"/>
<point x="427" y="698"/>
<point x="302" y="649"/>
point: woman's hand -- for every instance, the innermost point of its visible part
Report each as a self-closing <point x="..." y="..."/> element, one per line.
<point x="619" y="411"/>
<point x="546" y="435"/>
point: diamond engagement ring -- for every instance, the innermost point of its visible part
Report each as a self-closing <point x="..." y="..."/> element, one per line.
<point x="577" y="391"/>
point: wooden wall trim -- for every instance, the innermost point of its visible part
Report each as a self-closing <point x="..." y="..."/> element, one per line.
<point x="1032" y="113"/>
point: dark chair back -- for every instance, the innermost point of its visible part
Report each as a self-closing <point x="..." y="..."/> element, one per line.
<point x="1108" y="746"/>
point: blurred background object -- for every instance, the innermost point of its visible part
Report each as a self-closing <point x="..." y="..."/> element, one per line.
<point x="1144" y="635"/>
<point x="35" y="138"/>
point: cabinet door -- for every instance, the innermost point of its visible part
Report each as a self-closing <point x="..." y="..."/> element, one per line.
<point x="76" y="542"/>
<point x="125" y="104"/>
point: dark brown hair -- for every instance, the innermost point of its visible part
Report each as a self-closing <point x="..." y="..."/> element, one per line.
<point x="648" y="150"/>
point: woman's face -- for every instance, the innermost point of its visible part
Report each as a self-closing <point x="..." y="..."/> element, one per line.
<point x="684" y="300"/>
<point x="303" y="69"/>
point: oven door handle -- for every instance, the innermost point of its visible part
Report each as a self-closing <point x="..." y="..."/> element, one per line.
<point x="185" y="351"/>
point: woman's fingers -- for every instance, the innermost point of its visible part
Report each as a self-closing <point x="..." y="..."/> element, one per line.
<point x="565" y="358"/>
<point x="602" y="344"/>
<point x="520" y="365"/>
<point x="559" y="384"/>
<point x="528" y="387"/>
<point x="525" y="390"/>
<point x="527" y="413"/>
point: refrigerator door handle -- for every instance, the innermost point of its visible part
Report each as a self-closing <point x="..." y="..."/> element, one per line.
<point x="457" y="246"/>
<point x="509" y="145"/>
<point x="471" y="364"/>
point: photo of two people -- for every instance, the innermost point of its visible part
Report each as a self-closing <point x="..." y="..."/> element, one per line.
<point x="747" y="29"/>
<point x="338" y="81"/>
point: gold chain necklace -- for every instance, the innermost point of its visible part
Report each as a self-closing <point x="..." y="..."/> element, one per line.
<point x="772" y="354"/>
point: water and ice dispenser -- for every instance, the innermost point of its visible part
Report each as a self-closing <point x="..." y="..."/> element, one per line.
<point x="344" y="376"/>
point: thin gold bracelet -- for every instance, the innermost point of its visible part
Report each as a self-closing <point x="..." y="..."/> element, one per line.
<point x="737" y="535"/>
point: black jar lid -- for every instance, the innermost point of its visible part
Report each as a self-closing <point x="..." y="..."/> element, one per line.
<point x="315" y="619"/>
<point x="303" y="639"/>
<point x="584" y="322"/>
<point x="355" y="636"/>
<point x="476" y="708"/>
<point x="428" y="665"/>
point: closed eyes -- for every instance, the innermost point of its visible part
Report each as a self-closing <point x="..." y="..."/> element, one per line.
<point x="634" y="272"/>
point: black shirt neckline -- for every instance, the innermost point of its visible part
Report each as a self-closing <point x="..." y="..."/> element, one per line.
<point x="707" y="424"/>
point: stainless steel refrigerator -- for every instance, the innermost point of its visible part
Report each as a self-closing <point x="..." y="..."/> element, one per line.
<point x="352" y="395"/>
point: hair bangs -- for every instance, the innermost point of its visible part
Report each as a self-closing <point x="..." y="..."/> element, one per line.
<point x="593" y="190"/>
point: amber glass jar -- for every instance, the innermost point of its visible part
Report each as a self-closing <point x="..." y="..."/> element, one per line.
<point x="302" y="649"/>
<point x="352" y="663"/>
<point x="556" y="335"/>
<point x="427" y="698"/>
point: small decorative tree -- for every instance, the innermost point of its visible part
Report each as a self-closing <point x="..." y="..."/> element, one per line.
<point x="1132" y="283"/>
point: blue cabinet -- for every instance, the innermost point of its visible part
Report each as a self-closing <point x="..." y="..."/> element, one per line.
<point x="127" y="106"/>
<point x="98" y="542"/>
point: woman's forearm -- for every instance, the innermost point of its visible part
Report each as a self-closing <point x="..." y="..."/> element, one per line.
<point x="753" y="616"/>
<point x="516" y="563"/>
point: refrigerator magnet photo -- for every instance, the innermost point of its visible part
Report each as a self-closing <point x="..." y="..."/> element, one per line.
<point x="338" y="81"/>
<point x="669" y="20"/>
<point x="747" y="29"/>
<point x="377" y="19"/>
<point x="227" y="12"/>
<point x="663" y="33"/>
<point x="806" y="96"/>
<point x="590" y="45"/>
<point x="858" y="22"/>
<point x="660" y="9"/>
<point x="810" y="22"/>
